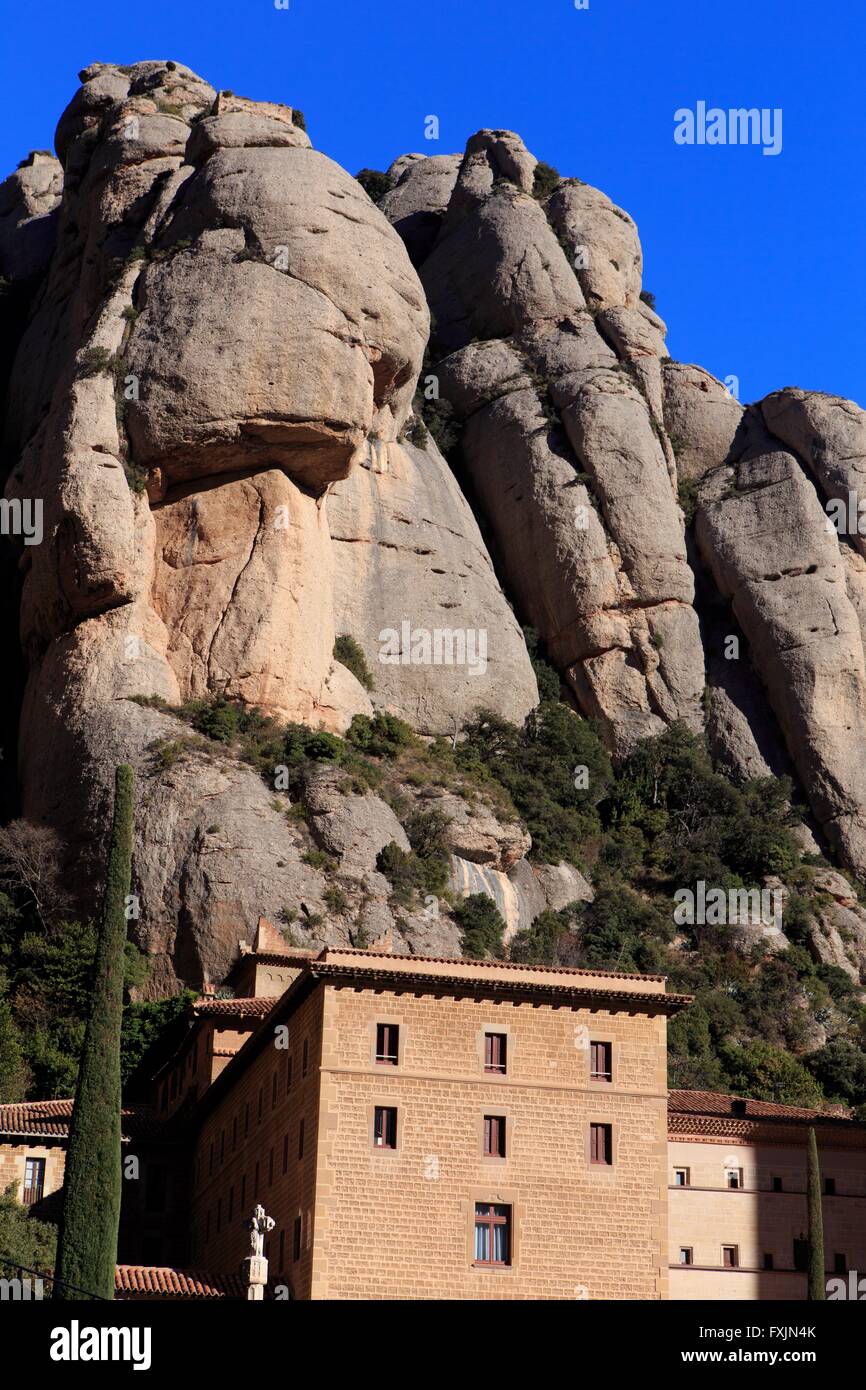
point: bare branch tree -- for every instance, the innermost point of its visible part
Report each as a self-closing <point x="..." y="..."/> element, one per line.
<point x="31" y="862"/>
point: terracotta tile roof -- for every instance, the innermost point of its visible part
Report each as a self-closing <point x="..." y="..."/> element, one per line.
<point x="716" y="1103"/>
<point x="233" y="1008"/>
<point x="376" y="976"/>
<point x="708" y="1116"/>
<point x="341" y="951"/>
<point x="142" y="1281"/>
<point x="50" y="1119"/>
<point x="161" y="1281"/>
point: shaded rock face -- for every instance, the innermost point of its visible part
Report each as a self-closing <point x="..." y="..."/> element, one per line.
<point x="227" y="327"/>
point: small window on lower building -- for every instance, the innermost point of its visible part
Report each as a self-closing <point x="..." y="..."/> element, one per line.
<point x="731" y="1256"/>
<point x="733" y="1177"/>
<point x="840" y="1264"/>
<point x="778" y="1185"/>
<point x="385" y="1127"/>
<point x="686" y="1255"/>
<point x="492" y="1235"/>
<point x="681" y="1177"/>
<point x="296" y="1239"/>
<point x="601" y="1144"/>
<point x="34" y="1180"/>
<point x="495" y="1052"/>
<point x="600" y="1061"/>
<point x="829" y="1187"/>
<point x="768" y="1260"/>
<point x="494" y="1136"/>
<point x="801" y="1254"/>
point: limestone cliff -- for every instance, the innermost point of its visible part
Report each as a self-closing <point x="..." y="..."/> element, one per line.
<point x="219" y="337"/>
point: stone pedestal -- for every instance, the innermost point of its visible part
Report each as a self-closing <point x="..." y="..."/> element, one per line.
<point x="254" y="1271"/>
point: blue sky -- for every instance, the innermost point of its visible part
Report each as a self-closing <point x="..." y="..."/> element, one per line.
<point x="756" y="261"/>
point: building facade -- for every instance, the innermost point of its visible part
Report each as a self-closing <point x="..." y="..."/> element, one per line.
<point x="445" y="1129"/>
<point x="737" y="1197"/>
<point x="454" y="1129"/>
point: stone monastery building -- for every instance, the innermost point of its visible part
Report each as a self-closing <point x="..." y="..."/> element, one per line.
<point x="451" y="1129"/>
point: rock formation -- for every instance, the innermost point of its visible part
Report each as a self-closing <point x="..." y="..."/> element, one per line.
<point x="213" y="397"/>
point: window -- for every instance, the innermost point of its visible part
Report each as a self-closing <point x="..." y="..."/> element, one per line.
<point x="829" y="1187"/>
<point x="840" y="1264"/>
<point x="768" y="1260"/>
<point x="296" y="1238"/>
<point x="495" y="1052"/>
<point x="731" y="1256"/>
<point x="801" y="1254"/>
<point x="387" y="1044"/>
<point x="681" y="1177"/>
<point x="288" y="1074"/>
<point x="492" y="1235"/>
<point x="34" y="1180"/>
<point x="778" y="1185"/>
<point x="685" y="1255"/>
<point x="600" y="1058"/>
<point x="601" y="1144"/>
<point x="305" y="1057"/>
<point x="285" y="1153"/>
<point x="733" y="1177"/>
<point x="300" y="1139"/>
<point x="494" y="1136"/>
<point x="385" y="1127"/>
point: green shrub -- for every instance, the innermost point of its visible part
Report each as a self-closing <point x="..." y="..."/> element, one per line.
<point x="382" y="736"/>
<point x="482" y="926"/>
<point x="545" y="180"/>
<point x="350" y="654"/>
<point x="374" y="183"/>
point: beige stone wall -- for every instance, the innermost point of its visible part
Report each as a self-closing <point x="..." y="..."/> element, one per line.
<point x="707" y="1215"/>
<point x="400" y="1224"/>
<point x="14" y="1155"/>
<point x="285" y="1195"/>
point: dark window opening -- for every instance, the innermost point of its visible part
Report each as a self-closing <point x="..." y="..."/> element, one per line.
<point x="387" y="1044"/>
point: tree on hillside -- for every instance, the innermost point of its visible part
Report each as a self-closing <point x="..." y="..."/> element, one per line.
<point x="87" y="1250"/>
<point x="31" y="865"/>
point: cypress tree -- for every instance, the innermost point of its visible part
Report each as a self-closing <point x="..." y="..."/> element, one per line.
<point x="816" y="1224"/>
<point x="87" y="1250"/>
